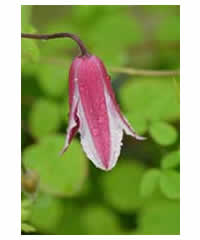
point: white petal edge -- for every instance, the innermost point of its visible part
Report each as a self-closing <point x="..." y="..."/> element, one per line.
<point x="86" y="139"/>
<point x="129" y="130"/>
<point x="116" y="131"/>
<point x="117" y="125"/>
<point x="72" y="122"/>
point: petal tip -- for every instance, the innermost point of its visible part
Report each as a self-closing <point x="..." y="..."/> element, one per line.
<point x="61" y="153"/>
<point x="63" y="150"/>
<point x="140" y="138"/>
<point x="105" y="168"/>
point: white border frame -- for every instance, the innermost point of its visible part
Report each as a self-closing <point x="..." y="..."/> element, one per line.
<point x="11" y="111"/>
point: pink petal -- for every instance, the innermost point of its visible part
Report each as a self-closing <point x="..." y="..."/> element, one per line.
<point x="116" y="133"/>
<point x="93" y="111"/>
<point x="126" y="126"/>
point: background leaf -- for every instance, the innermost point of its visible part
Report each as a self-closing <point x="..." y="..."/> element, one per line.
<point x="30" y="50"/>
<point x="170" y="183"/>
<point x="27" y="228"/>
<point x="138" y="123"/>
<point x="53" y="169"/>
<point x="25" y="214"/>
<point x="171" y="160"/>
<point x="45" y="118"/>
<point x="107" y="223"/>
<point x="149" y="182"/>
<point x="163" y="133"/>
<point x="123" y="195"/>
<point x="49" y="74"/>
<point x="153" y="219"/>
<point x="45" y="212"/>
<point x="149" y="102"/>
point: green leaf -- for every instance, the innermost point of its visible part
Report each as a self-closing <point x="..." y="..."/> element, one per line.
<point x="177" y="88"/>
<point x="60" y="175"/>
<point x="46" y="213"/>
<point x="160" y="218"/>
<point x="70" y="223"/>
<point x="25" y="215"/>
<point x="98" y="220"/>
<point x="60" y="216"/>
<point x="169" y="29"/>
<point x="25" y="205"/>
<point x="25" y="227"/>
<point x="90" y="15"/>
<point x="29" y="51"/>
<point x="64" y="108"/>
<point x="29" y="48"/>
<point x="171" y="160"/>
<point x="139" y="124"/>
<point x="59" y="50"/>
<point x="163" y="133"/>
<point x="150" y="99"/>
<point x="111" y="26"/>
<point x="26" y="12"/>
<point x="170" y="184"/>
<point x="110" y="22"/>
<point x="149" y="182"/>
<point x="53" y="79"/>
<point x="121" y="186"/>
<point x="45" y="118"/>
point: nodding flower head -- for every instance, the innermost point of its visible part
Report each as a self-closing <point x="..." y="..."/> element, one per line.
<point x="94" y="113"/>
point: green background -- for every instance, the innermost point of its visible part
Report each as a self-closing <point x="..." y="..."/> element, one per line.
<point x="68" y="195"/>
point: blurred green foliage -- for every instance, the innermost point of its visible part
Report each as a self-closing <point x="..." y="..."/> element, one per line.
<point x="25" y="214"/>
<point x="141" y="194"/>
<point x="53" y="169"/>
<point x="125" y="196"/>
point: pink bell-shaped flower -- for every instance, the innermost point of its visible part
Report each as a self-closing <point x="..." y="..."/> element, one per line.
<point x="94" y="113"/>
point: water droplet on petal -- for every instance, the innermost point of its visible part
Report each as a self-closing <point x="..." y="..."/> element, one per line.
<point x="108" y="77"/>
<point x="81" y="88"/>
<point x="102" y="106"/>
<point x="95" y="131"/>
<point x="100" y="119"/>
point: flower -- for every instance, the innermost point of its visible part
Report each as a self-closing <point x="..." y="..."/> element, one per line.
<point x="94" y="113"/>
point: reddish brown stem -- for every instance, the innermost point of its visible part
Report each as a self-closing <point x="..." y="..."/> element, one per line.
<point x="82" y="47"/>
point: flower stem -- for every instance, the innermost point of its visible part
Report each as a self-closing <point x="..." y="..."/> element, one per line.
<point x="142" y="72"/>
<point x="82" y="47"/>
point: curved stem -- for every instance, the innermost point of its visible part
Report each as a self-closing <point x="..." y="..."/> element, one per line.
<point x="142" y="72"/>
<point x="82" y="47"/>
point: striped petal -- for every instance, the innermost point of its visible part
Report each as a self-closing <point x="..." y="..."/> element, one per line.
<point x="95" y="113"/>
